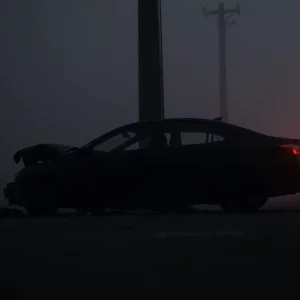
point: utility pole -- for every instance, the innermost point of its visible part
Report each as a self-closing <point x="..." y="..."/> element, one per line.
<point x="223" y="24"/>
<point x="150" y="62"/>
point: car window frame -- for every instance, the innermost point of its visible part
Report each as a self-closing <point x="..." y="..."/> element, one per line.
<point x="136" y="128"/>
<point x="210" y="129"/>
<point x="158" y="128"/>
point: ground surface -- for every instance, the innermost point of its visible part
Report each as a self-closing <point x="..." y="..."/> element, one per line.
<point x="149" y="256"/>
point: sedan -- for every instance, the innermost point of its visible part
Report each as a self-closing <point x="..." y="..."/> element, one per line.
<point x="164" y="165"/>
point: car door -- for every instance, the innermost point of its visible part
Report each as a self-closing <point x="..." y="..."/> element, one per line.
<point x="125" y="166"/>
<point x="143" y="162"/>
<point x="110" y="168"/>
<point x="197" y="161"/>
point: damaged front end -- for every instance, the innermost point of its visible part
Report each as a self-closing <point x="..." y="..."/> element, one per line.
<point x="40" y="153"/>
<point x="32" y="156"/>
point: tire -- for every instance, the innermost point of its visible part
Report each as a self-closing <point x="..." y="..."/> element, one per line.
<point x="253" y="204"/>
<point x="41" y="197"/>
<point x="81" y="212"/>
<point x="232" y="204"/>
<point x="244" y="204"/>
<point x="97" y="211"/>
<point x="179" y="209"/>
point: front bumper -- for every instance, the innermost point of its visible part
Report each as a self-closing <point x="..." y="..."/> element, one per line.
<point x="10" y="193"/>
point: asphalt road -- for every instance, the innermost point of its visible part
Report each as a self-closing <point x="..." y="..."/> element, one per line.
<point x="148" y="256"/>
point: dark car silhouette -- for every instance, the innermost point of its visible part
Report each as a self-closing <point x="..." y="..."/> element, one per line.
<point x="169" y="164"/>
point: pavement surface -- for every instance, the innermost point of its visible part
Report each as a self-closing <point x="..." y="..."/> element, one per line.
<point x="149" y="256"/>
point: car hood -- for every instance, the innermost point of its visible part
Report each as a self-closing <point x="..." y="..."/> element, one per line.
<point x="40" y="153"/>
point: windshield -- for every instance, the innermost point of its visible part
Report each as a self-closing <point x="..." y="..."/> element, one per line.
<point x="112" y="142"/>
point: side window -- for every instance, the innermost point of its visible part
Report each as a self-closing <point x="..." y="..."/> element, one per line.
<point x="193" y="138"/>
<point x="114" y="141"/>
<point x="144" y="143"/>
<point x="214" y="138"/>
<point x="200" y="134"/>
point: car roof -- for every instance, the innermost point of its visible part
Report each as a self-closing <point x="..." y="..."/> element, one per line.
<point x="212" y="122"/>
<point x="170" y="121"/>
<point x="174" y="120"/>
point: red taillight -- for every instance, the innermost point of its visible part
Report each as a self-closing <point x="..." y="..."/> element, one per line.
<point x="296" y="151"/>
<point x="293" y="149"/>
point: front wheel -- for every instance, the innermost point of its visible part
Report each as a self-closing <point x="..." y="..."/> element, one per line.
<point x="41" y="198"/>
<point x="97" y="211"/>
<point x="82" y="212"/>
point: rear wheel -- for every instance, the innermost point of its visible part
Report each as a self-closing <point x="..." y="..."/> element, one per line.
<point x="252" y="204"/>
<point x="232" y="204"/>
<point x="244" y="204"/>
<point x="41" y="197"/>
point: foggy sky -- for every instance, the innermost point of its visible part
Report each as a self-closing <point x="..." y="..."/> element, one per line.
<point x="69" y="68"/>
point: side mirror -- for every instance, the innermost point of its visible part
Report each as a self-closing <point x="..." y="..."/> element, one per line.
<point x="125" y="135"/>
